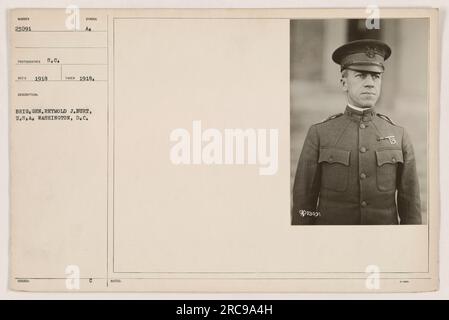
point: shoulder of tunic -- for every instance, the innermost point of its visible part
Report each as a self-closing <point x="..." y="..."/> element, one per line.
<point x="332" y="117"/>
<point x="386" y="118"/>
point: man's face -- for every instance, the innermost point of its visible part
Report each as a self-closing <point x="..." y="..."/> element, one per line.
<point x="362" y="87"/>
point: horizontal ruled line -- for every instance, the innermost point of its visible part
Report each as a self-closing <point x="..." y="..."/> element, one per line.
<point x="70" y="31"/>
<point x="61" y="64"/>
<point x="61" y="47"/>
<point x="61" y="81"/>
<point x="268" y="272"/>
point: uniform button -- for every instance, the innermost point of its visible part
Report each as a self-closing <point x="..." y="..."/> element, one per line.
<point x="362" y="149"/>
<point x="331" y="159"/>
<point x="393" y="160"/>
<point x="364" y="204"/>
<point x="362" y="176"/>
<point x="365" y="118"/>
<point x="362" y="126"/>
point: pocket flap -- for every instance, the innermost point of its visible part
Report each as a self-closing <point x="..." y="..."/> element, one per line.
<point x="389" y="156"/>
<point x="332" y="155"/>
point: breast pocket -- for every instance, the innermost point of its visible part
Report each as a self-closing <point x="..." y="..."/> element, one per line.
<point x="387" y="165"/>
<point x="334" y="168"/>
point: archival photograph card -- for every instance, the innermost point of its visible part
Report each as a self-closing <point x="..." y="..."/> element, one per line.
<point x="212" y="150"/>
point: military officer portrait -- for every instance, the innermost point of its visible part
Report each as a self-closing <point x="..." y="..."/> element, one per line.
<point x="357" y="167"/>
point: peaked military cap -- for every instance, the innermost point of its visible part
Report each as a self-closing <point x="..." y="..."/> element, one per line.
<point x="362" y="55"/>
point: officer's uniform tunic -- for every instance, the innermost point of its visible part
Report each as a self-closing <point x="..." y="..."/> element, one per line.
<point x="353" y="169"/>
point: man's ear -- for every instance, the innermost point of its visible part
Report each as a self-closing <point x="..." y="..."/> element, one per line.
<point x="344" y="84"/>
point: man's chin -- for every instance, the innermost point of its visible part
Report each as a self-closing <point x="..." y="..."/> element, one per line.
<point x="368" y="104"/>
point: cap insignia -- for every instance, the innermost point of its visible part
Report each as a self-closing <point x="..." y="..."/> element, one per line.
<point x="371" y="52"/>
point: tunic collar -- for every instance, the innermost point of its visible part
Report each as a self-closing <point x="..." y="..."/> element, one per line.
<point x="360" y="114"/>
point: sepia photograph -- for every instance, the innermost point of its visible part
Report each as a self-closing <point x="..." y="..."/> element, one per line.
<point x="358" y="121"/>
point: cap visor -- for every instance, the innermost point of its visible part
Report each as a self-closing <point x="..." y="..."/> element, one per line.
<point x="366" y="67"/>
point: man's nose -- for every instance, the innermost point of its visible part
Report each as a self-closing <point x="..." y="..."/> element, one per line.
<point x="369" y="81"/>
